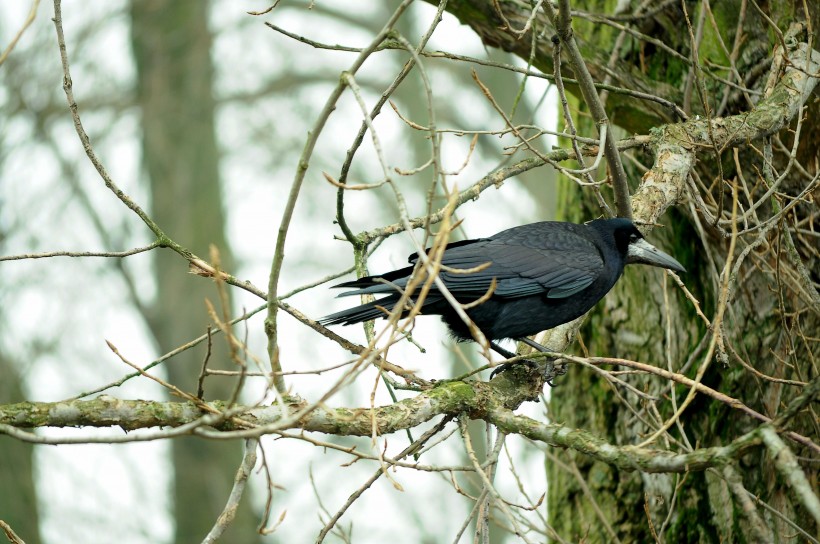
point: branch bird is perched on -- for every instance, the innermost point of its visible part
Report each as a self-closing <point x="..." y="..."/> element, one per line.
<point x="546" y="274"/>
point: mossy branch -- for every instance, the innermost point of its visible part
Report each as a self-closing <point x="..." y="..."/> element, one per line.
<point x="492" y="402"/>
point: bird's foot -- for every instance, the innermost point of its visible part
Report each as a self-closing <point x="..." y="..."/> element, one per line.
<point x="551" y="371"/>
<point x="507" y="366"/>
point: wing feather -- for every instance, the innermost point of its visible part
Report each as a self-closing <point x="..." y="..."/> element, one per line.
<point x="553" y="259"/>
<point x="557" y="262"/>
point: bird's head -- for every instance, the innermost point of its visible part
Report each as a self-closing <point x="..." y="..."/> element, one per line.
<point x="631" y="242"/>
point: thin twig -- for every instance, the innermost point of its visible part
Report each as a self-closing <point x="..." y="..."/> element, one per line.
<point x="239" y="483"/>
<point x="29" y="19"/>
<point x="563" y="25"/>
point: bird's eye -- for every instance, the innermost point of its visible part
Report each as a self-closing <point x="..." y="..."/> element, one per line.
<point x="633" y="238"/>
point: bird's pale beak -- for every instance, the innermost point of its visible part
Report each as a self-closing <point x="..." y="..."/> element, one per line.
<point x="642" y="251"/>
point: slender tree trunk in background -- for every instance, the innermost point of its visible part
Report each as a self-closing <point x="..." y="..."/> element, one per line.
<point x="18" y="508"/>
<point x="19" y="505"/>
<point x="172" y="47"/>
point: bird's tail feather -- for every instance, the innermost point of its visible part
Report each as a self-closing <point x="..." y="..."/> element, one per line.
<point x="365" y="312"/>
<point x="380" y="308"/>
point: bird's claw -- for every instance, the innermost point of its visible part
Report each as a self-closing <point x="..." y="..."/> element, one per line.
<point x="551" y="372"/>
<point x="506" y="366"/>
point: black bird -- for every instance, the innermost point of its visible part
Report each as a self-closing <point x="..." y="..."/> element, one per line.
<point x="546" y="273"/>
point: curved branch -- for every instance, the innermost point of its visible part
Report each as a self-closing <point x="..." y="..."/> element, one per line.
<point x="623" y="457"/>
<point x="676" y="145"/>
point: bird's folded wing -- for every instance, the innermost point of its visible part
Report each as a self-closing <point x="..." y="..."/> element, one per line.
<point x="557" y="271"/>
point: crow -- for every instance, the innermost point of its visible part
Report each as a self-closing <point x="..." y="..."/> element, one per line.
<point x="545" y="273"/>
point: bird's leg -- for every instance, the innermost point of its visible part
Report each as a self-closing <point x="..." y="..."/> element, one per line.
<point x="507" y="354"/>
<point x="550" y="372"/>
<point x="534" y="345"/>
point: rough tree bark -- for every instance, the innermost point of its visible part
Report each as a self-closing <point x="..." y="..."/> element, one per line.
<point x="764" y="317"/>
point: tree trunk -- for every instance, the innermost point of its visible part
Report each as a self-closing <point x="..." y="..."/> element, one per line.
<point x="18" y="506"/>
<point x="768" y="318"/>
<point x="172" y="47"/>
